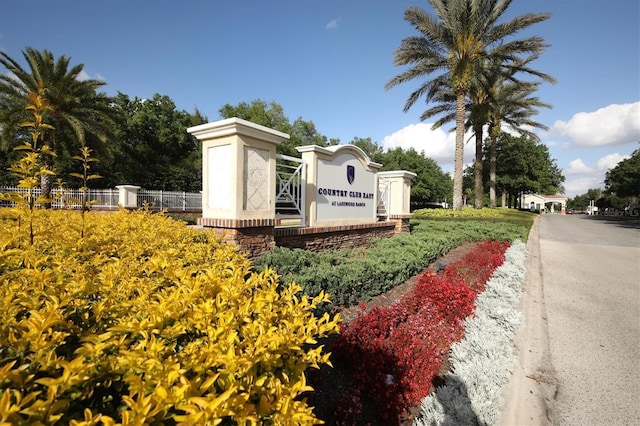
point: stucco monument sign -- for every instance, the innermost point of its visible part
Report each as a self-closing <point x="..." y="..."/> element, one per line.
<point x="341" y="184"/>
<point x="346" y="199"/>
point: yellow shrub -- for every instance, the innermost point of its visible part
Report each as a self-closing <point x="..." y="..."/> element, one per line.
<point x="145" y="320"/>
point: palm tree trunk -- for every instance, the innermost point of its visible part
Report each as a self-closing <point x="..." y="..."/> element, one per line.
<point x="493" y="140"/>
<point x="459" y="151"/>
<point x="478" y="168"/>
<point x="492" y="173"/>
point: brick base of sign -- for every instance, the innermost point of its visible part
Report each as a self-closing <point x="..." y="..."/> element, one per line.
<point x="334" y="237"/>
<point x="258" y="239"/>
<point x="237" y="223"/>
<point x="254" y="241"/>
<point x="402" y="222"/>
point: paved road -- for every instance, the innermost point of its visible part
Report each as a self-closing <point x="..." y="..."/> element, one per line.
<point x="591" y="284"/>
<point x="579" y="351"/>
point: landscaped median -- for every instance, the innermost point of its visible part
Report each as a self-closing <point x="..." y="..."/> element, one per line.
<point x="483" y="361"/>
<point x="391" y="358"/>
<point x="134" y="318"/>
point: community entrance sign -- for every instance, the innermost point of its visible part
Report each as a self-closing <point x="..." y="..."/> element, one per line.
<point x="344" y="183"/>
<point x="337" y="194"/>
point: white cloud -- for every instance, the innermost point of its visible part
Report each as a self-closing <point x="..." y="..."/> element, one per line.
<point x="577" y="167"/>
<point x="333" y="24"/>
<point x="616" y="124"/>
<point x="589" y="177"/>
<point x="436" y="144"/>
<point x="610" y="161"/>
<point x="83" y="76"/>
<point x="581" y="185"/>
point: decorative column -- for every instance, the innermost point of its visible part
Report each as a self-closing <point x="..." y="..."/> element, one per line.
<point x="128" y="196"/>
<point x="399" y="196"/>
<point x="239" y="181"/>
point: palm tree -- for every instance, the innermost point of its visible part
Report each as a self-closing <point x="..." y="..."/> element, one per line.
<point x="499" y="96"/>
<point x="487" y="100"/>
<point x="511" y="104"/>
<point x="477" y="107"/>
<point x="455" y="42"/>
<point x="76" y="109"/>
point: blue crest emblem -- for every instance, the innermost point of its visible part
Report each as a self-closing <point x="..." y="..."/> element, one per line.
<point x="351" y="174"/>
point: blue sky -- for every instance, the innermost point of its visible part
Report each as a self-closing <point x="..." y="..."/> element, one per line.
<point x="328" y="61"/>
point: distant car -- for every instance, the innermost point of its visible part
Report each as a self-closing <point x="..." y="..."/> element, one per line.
<point x="569" y="211"/>
<point x="432" y="206"/>
<point x="426" y="205"/>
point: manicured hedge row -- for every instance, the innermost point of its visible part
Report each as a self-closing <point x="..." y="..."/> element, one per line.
<point x="145" y="321"/>
<point x="352" y="276"/>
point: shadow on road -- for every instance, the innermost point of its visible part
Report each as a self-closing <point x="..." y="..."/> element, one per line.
<point x="620" y="221"/>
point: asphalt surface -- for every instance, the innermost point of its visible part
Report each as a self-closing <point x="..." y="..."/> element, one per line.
<point x="579" y="351"/>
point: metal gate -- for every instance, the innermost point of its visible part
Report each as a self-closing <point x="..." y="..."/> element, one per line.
<point x="291" y="183"/>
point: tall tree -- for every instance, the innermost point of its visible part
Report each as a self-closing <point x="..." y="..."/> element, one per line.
<point x="624" y="179"/>
<point x="477" y="108"/>
<point x="430" y="183"/>
<point x="455" y="42"/>
<point x="487" y="102"/>
<point x="77" y="110"/>
<point x="525" y="166"/>
<point x="272" y="115"/>
<point x="511" y="103"/>
<point x="153" y="148"/>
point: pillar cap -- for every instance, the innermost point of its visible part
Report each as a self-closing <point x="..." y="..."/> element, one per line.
<point x="233" y="126"/>
<point x="397" y="173"/>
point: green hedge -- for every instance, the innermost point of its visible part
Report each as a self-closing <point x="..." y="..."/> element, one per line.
<point x="353" y="276"/>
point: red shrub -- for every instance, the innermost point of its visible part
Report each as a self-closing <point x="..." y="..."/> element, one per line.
<point x="394" y="353"/>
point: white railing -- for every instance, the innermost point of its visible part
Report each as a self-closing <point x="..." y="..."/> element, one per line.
<point x="382" y="209"/>
<point x="110" y="199"/>
<point x="291" y="183"/>
<point x="72" y="198"/>
<point x="170" y="200"/>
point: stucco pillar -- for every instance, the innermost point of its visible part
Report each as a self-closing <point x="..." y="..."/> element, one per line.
<point x="399" y="190"/>
<point x="128" y="196"/>
<point x="239" y="181"/>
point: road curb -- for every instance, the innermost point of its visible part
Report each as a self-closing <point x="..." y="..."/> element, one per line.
<point x="528" y="394"/>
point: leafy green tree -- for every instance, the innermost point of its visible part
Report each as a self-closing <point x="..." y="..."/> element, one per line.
<point x="77" y="110"/>
<point x="525" y="166"/>
<point x="372" y="149"/>
<point x="272" y="115"/>
<point x="153" y="147"/>
<point x="580" y="202"/>
<point x="624" y="179"/>
<point x="455" y="42"/>
<point x="430" y="183"/>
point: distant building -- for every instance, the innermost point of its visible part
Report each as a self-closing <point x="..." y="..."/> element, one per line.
<point x="549" y="203"/>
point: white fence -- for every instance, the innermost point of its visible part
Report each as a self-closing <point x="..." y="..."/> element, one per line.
<point x="170" y="200"/>
<point x="110" y="199"/>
